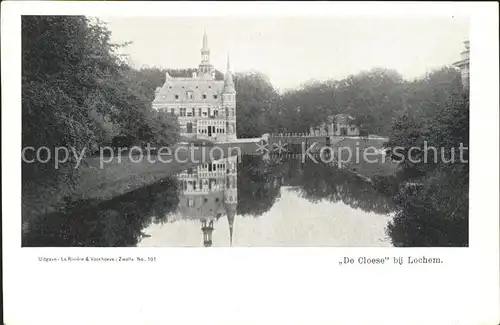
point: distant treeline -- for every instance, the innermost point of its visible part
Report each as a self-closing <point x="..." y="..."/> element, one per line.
<point x="376" y="99"/>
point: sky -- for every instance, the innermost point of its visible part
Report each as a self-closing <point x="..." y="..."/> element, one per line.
<point x="294" y="50"/>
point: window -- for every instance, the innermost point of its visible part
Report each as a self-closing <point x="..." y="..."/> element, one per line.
<point x="190" y="95"/>
<point x="215" y="96"/>
<point x="209" y="86"/>
<point x="190" y="202"/>
<point x="216" y="113"/>
<point x="172" y="111"/>
<point x="204" y="96"/>
<point x="176" y="96"/>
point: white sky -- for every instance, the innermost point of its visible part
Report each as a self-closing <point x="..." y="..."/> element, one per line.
<point x="292" y="51"/>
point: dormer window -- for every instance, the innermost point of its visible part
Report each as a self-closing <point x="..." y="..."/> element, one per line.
<point x="215" y="96"/>
<point x="204" y="96"/>
<point x="176" y="96"/>
<point x="189" y="95"/>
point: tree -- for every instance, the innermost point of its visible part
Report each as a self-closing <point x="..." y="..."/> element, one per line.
<point x="256" y="99"/>
<point x="78" y="92"/>
<point x="433" y="206"/>
<point x="162" y="129"/>
<point x="374" y="98"/>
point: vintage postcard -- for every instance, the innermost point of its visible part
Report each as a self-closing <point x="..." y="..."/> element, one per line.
<point x="144" y="127"/>
<point x="203" y="132"/>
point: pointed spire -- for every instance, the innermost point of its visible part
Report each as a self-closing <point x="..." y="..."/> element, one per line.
<point x="205" y="40"/>
<point x="228" y="80"/>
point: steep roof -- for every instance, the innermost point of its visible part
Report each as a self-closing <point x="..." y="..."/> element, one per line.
<point x="228" y="80"/>
<point x="199" y="86"/>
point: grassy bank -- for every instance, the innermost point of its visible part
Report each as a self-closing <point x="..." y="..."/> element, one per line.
<point x="114" y="176"/>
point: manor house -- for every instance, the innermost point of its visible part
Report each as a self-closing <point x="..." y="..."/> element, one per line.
<point x="206" y="107"/>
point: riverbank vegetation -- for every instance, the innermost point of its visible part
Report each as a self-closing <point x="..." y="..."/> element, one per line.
<point x="78" y="92"/>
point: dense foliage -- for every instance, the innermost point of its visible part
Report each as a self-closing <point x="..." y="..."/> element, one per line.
<point x="77" y="92"/>
<point x="434" y="199"/>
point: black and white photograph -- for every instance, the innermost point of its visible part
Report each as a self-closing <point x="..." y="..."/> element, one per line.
<point x="250" y="163"/>
<point x="245" y="132"/>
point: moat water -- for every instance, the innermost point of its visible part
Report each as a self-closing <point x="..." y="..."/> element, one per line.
<point x="241" y="201"/>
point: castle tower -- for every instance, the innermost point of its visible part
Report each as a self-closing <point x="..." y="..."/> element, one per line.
<point x="229" y="103"/>
<point x="205" y="68"/>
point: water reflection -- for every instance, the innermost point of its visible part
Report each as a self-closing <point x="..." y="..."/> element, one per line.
<point x="245" y="201"/>
<point x="119" y="222"/>
<point x="276" y="202"/>
<point x="209" y="192"/>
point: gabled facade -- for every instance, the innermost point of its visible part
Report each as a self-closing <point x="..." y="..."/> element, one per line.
<point x="206" y="107"/>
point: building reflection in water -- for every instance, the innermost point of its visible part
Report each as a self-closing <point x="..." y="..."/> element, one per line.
<point x="208" y="193"/>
